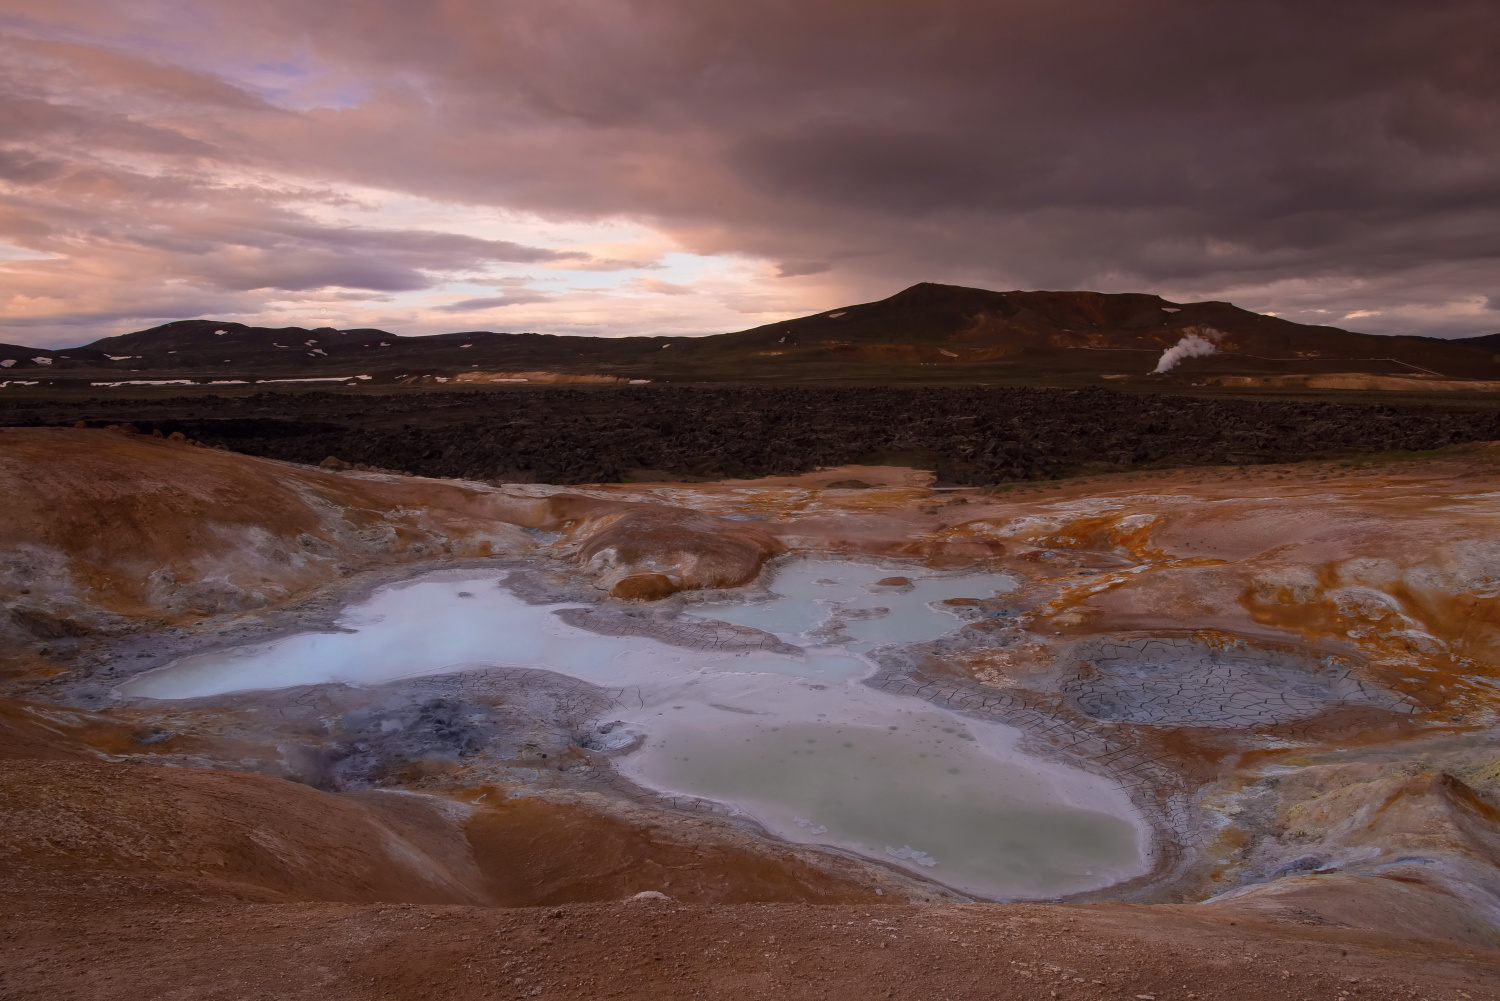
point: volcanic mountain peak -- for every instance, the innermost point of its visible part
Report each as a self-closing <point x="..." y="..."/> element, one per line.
<point x="1065" y="309"/>
<point x="933" y="313"/>
<point x="1073" y="335"/>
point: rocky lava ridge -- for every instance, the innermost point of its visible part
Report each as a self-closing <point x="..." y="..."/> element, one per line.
<point x="970" y="436"/>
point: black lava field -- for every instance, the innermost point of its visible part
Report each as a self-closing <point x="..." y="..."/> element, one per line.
<point x="971" y="436"/>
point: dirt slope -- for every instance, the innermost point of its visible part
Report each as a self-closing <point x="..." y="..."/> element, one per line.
<point x="106" y="531"/>
<point x="121" y="949"/>
<point x="186" y="833"/>
<point x="125" y="881"/>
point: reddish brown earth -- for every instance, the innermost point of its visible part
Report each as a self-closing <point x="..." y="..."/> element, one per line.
<point x="126" y="881"/>
<point x="141" y="856"/>
<point x="129" y="946"/>
<point x="131" y="525"/>
<point x="123" y="882"/>
<point x="189" y="831"/>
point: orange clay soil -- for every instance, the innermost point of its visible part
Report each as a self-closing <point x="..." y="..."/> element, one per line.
<point x="1351" y="852"/>
<point x="103" y="523"/>
<point x="121" y="945"/>
<point x="191" y="831"/>
<point x="123" y="882"/>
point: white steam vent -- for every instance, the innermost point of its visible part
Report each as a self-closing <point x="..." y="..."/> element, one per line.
<point x="1197" y="342"/>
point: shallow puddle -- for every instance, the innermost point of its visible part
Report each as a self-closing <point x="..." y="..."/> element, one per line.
<point x="921" y="793"/>
<point x="791" y="737"/>
<point x="809" y="592"/>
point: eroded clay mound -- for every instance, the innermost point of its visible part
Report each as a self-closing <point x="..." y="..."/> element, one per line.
<point x="651" y="551"/>
<point x="1187" y="681"/>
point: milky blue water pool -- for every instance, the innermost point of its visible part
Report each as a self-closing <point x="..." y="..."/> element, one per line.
<point x="792" y="739"/>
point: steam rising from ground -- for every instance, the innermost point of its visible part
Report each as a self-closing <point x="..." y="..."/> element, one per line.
<point x="1197" y="342"/>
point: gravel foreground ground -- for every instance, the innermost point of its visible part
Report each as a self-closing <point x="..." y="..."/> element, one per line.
<point x="142" y="948"/>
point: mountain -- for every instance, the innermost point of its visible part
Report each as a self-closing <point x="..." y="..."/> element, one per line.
<point x="1485" y="342"/>
<point x="926" y="333"/>
<point x="1094" y="332"/>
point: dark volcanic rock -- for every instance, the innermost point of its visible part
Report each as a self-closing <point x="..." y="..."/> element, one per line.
<point x="970" y="435"/>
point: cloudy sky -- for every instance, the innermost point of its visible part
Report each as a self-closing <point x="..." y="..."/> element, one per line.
<point x="681" y="166"/>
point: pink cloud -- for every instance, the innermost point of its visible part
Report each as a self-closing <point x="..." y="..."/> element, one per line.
<point x="173" y="155"/>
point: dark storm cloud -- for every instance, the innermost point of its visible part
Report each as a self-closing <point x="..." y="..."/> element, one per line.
<point x="795" y="269"/>
<point x="516" y="298"/>
<point x="1333" y="156"/>
<point x="1064" y="144"/>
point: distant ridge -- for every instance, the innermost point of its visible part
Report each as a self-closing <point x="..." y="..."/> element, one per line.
<point x="928" y="332"/>
<point x="1484" y="342"/>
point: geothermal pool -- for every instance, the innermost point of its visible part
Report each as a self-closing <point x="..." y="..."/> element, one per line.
<point x="766" y="715"/>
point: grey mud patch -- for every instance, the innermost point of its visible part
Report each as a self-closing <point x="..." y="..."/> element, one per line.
<point x="496" y="725"/>
<point x="666" y="627"/>
<point x="1159" y="684"/>
<point x="1188" y="681"/>
<point x="548" y="586"/>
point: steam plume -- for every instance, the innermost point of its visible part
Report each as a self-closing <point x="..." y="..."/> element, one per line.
<point x="1197" y="342"/>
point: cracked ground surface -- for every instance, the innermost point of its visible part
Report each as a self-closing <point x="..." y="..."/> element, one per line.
<point x="1179" y="681"/>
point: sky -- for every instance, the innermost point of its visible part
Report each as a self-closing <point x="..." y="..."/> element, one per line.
<point x="617" y="167"/>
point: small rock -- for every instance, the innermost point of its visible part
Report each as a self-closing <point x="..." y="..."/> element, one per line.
<point x="1307" y="863"/>
<point x="650" y="895"/>
<point x="334" y="463"/>
<point x="893" y="582"/>
<point x="847" y="485"/>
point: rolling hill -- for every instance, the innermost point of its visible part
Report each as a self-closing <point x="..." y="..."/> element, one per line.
<point x="926" y="333"/>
